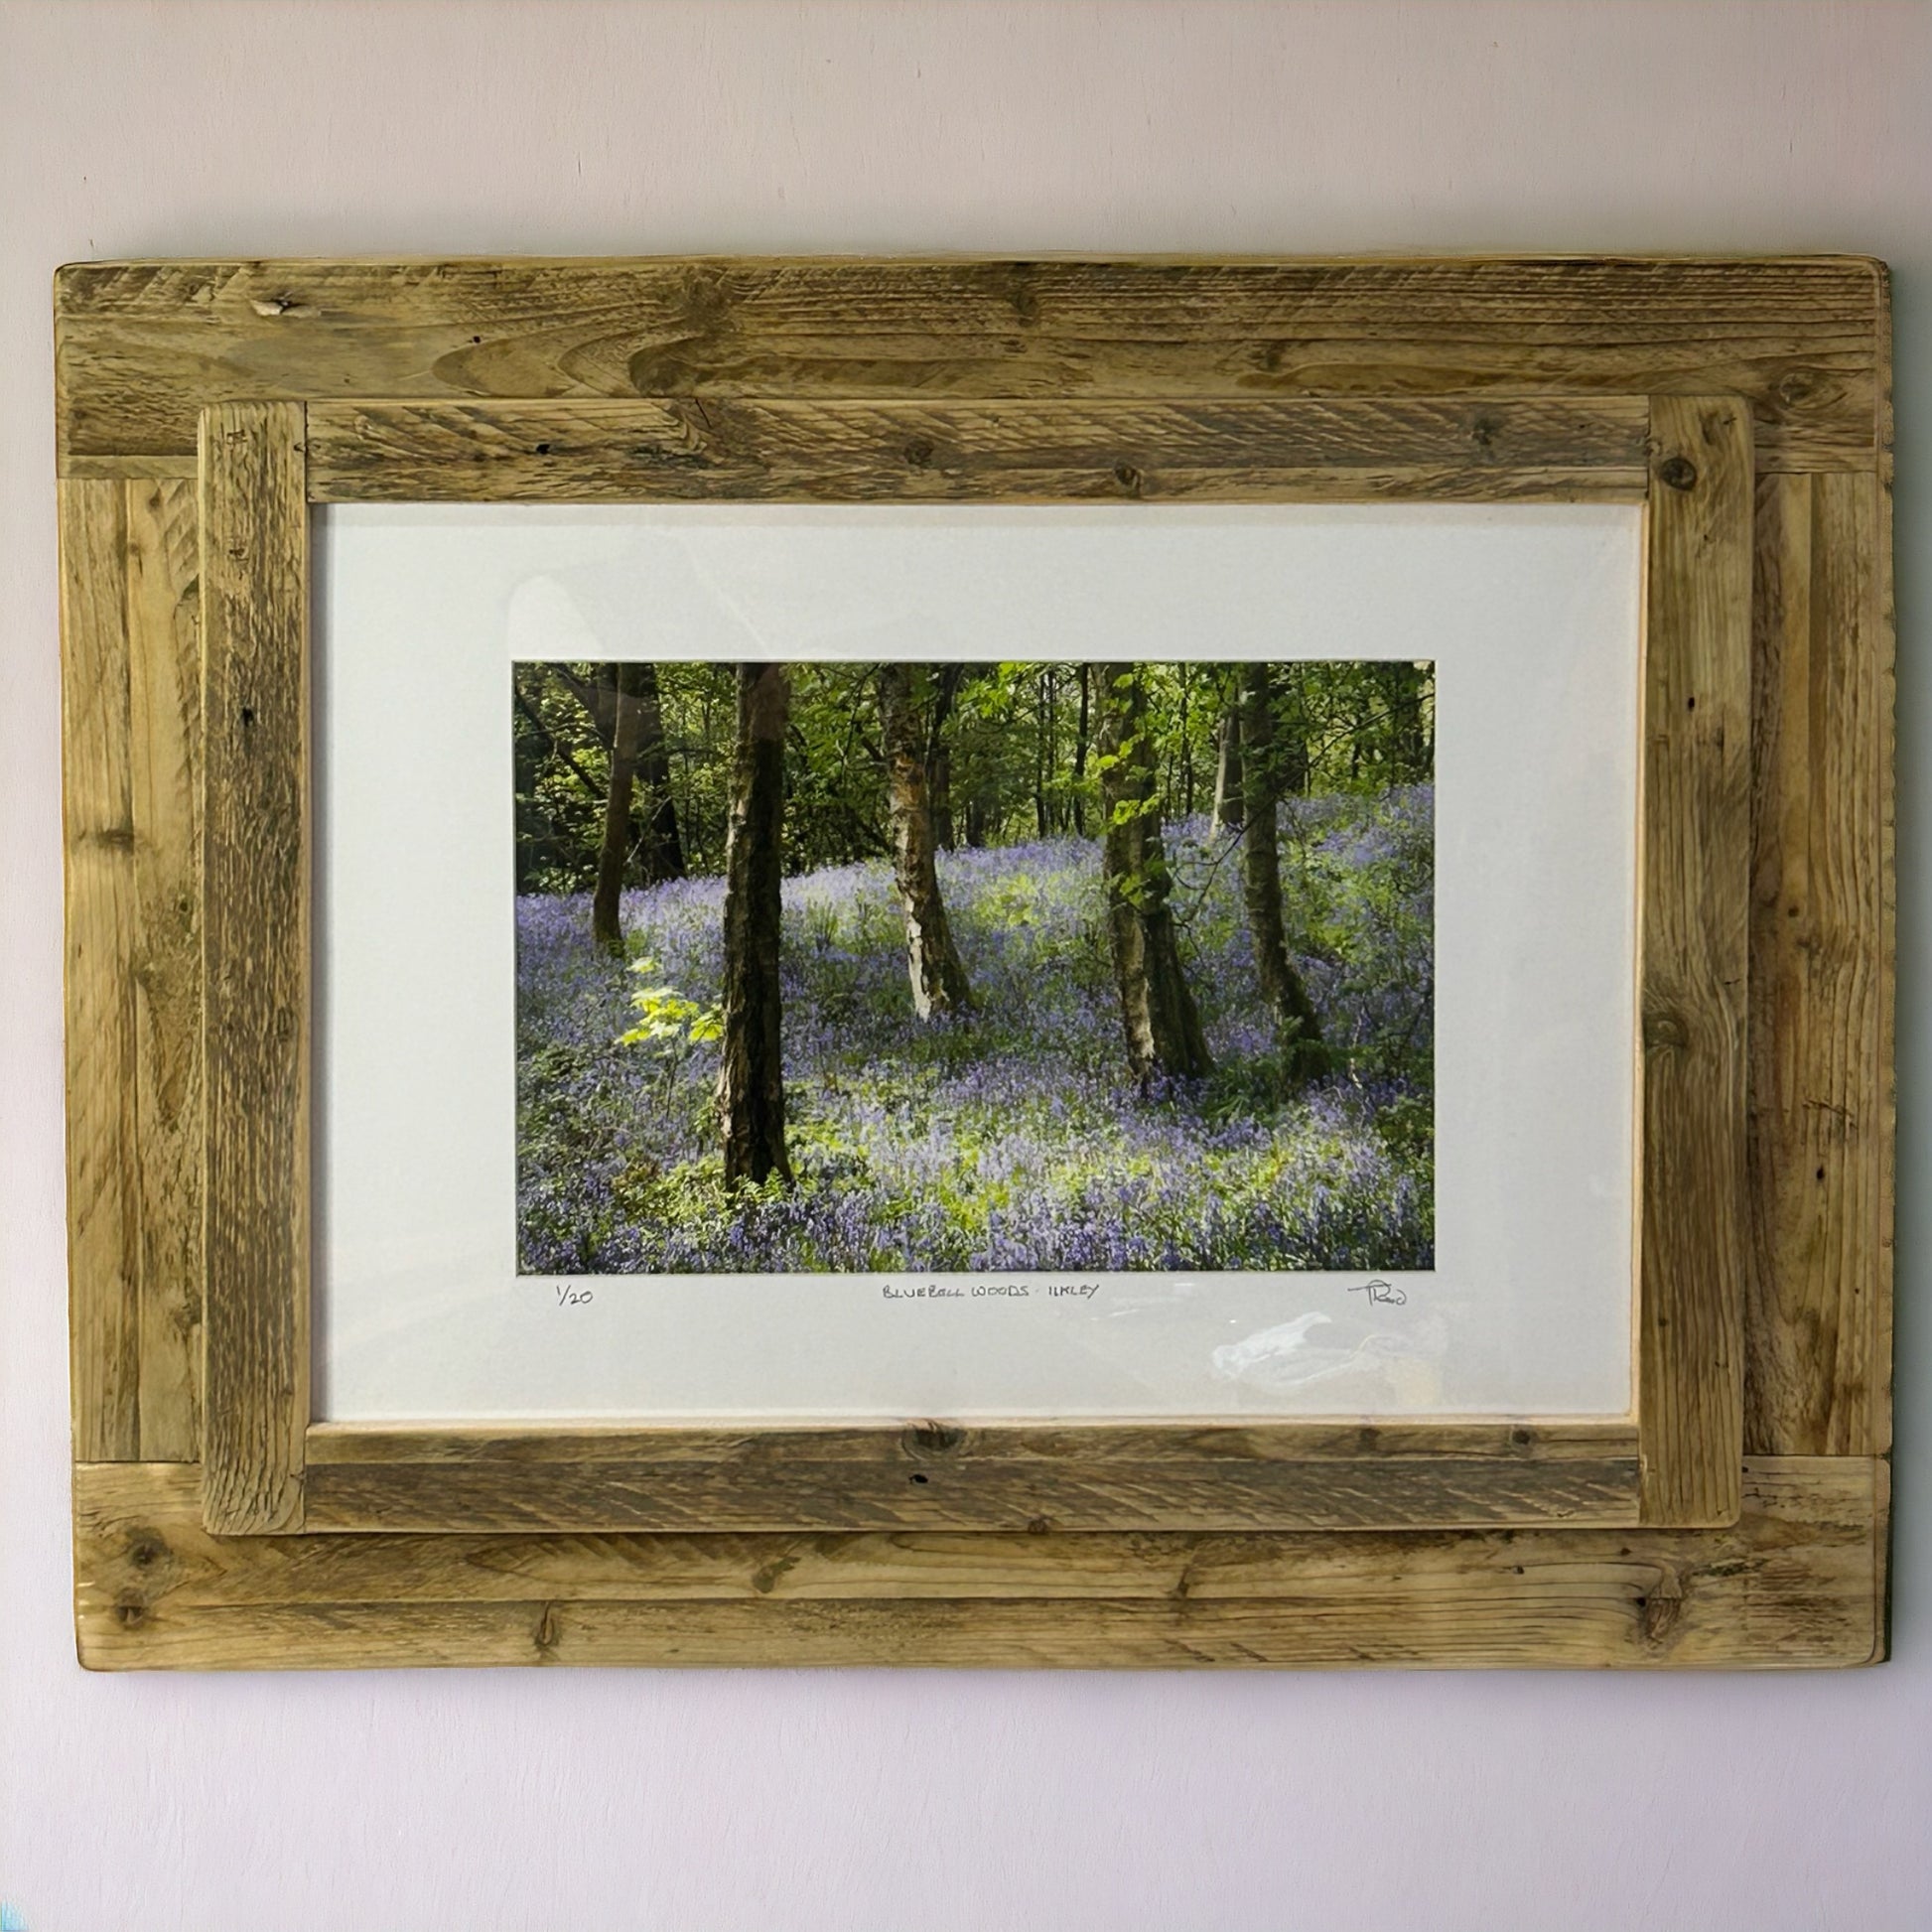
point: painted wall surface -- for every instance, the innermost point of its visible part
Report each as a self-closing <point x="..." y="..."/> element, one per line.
<point x="871" y="1799"/>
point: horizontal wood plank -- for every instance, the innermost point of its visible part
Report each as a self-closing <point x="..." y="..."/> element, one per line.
<point x="1341" y="447"/>
<point x="988" y="1495"/>
<point x="142" y="346"/>
<point x="927" y="1444"/>
<point x="1795" y="1581"/>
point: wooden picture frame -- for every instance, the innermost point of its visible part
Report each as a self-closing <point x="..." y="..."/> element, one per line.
<point x="1736" y="1516"/>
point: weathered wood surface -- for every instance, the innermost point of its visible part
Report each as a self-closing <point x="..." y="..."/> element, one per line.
<point x="1818" y="1353"/>
<point x="132" y="698"/>
<point x="1794" y="1583"/>
<point x="1013" y="1477"/>
<point x="927" y="1444"/>
<point x="165" y="712"/>
<point x="255" y="618"/>
<point x="1799" y="1580"/>
<point x="1695" y="941"/>
<point x="1385" y="1492"/>
<point x="1347" y="449"/>
<point x="103" y="895"/>
<point x="142" y="346"/>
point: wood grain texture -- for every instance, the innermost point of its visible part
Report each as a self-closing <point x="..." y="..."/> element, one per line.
<point x="255" y="618"/>
<point x="131" y="696"/>
<point x="749" y="353"/>
<point x="1382" y="1492"/>
<point x="142" y="346"/>
<point x="102" y="921"/>
<point x="1695" y="940"/>
<point x="1336" y="448"/>
<point x="1794" y="1583"/>
<point x="927" y="1444"/>
<point x="1818" y="1359"/>
<point x="162" y="563"/>
<point x="1152" y="1475"/>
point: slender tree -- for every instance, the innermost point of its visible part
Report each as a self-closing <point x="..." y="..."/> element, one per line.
<point x="663" y="850"/>
<point x="1080" y="754"/>
<point x="1297" y="1029"/>
<point x="946" y="681"/>
<point x="939" y="982"/>
<point x="751" y="1074"/>
<point x="607" y="925"/>
<point x="1158" y="1011"/>
<point x="1229" y="798"/>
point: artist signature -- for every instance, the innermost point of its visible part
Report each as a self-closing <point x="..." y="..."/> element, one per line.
<point x="1385" y="1293"/>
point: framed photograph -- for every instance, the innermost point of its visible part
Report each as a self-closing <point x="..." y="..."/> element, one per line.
<point x="943" y="996"/>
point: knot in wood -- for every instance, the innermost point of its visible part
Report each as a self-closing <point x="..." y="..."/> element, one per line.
<point x="1128" y="477"/>
<point x="1665" y="1031"/>
<point x="933" y="1437"/>
<point x="919" y="453"/>
<point x="1678" y="470"/>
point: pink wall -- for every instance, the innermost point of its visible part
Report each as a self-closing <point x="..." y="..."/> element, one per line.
<point x="871" y="1799"/>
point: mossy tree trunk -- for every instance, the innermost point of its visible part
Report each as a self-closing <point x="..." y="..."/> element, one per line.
<point x="607" y="925"/>
<point x="1158" y="1011"/>
<point x="751" y="1074"/>
<point x="1229" y="800"/>
<point x="939" y="983"/>
<point x="663" y="850"/>
<point x="1297" y="1029"/>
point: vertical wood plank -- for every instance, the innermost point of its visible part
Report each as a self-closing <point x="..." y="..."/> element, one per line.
<point x="103" y="1243"/>
<point x="255" y="712"/>
<point x="164" y="691"/>
<point x="1696" y="932"/>
<point x="1818" y="1360"/>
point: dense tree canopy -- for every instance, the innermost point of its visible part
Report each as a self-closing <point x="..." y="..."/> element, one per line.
<point x="1010" y="755"/>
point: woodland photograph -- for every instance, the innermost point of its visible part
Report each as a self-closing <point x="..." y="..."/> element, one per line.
<point x="974" y="966"/>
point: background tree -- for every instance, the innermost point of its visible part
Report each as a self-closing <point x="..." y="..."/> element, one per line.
<point x="663" y="849"/>
<point x="626" y="729"/>
<point x="1229" y="802"/>
<point x="751" y="1073"/>
<point x="1158" y="1011"/>
<point x="938" y="979"/>
<point x="1297" y="1029"/>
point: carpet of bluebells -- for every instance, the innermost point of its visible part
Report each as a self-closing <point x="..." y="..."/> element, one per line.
<point x="1013" y="1138"/>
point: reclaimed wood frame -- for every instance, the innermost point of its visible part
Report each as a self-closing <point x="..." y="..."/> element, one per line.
<point x="1737" y="1516"/>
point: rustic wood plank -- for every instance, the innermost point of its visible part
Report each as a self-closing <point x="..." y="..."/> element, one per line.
<point x="1794" y="1583"/>
<point x="1345" y="448"/>
<point x="1818" y="1353"/>
<point x="1694" y="944"/>
<point x="1440" y="1492"/>
<point x="926" y="1445"/>
<point x="141" y="347"/>
<point x="162" y="562"/>
<point x="254" y="622"/>
<point x="103" y="895"/>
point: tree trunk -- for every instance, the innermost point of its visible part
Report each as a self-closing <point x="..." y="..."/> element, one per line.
<point x="607" y="926"/>
<point x="1042" y="824"/>
<point x="1229" y="802"/>
<point x="750" y="1076"/>
<point x="1080" y="757"/>
<point x="938" y="979"/>
<point x="938" y="754"/>
<point x="663" y="848"/>
<point x="1297" y="1030"/>
<point x="1158" y="1012"/>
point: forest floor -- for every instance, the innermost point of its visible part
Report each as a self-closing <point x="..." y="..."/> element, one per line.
<point x="1013" y="1138"/>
